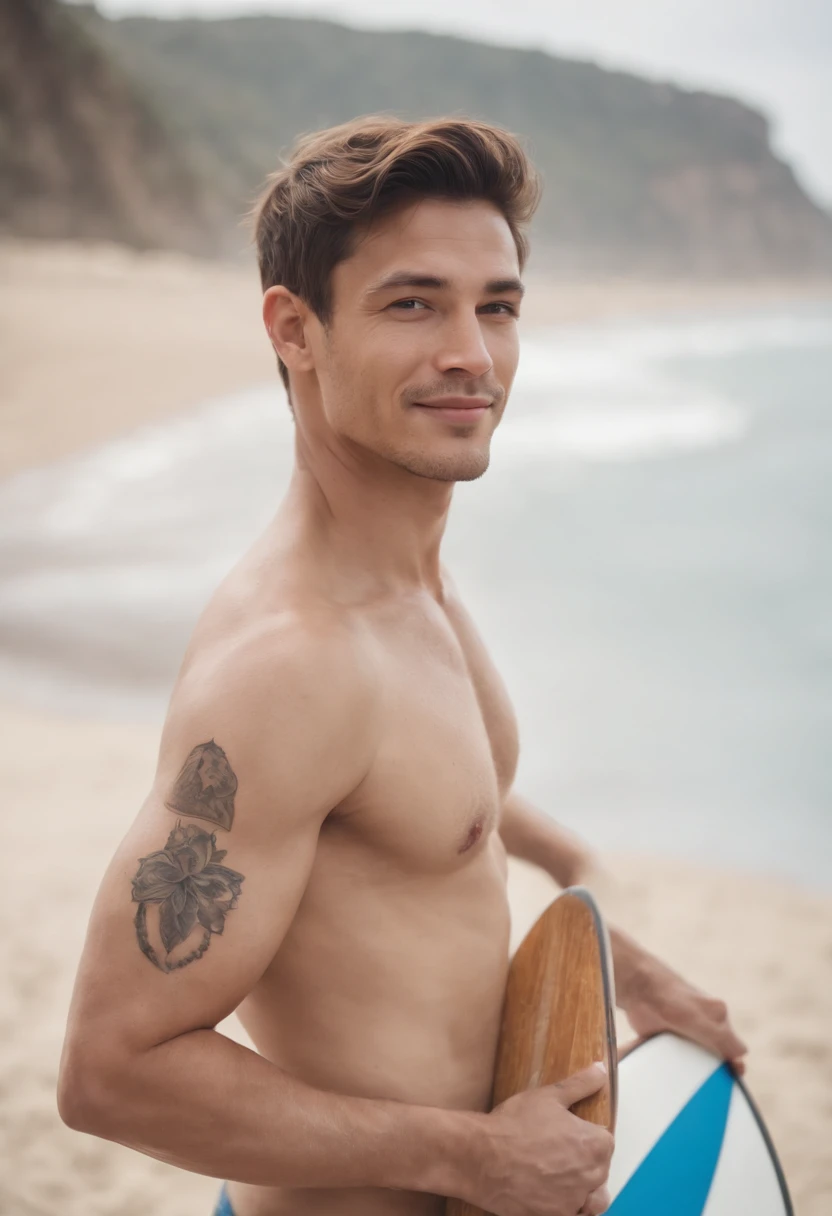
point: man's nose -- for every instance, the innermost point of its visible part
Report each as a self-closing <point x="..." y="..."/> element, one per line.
<point x="463" y="347"/>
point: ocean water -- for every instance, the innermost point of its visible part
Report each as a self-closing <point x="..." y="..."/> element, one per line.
<point x="649" y="558"/>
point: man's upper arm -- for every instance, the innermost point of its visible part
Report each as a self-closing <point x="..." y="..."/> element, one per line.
<point x="255" y="753"/>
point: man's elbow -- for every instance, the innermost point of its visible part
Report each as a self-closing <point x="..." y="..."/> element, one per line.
<point x="88" y="1096"/>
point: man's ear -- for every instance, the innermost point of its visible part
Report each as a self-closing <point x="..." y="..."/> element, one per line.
<point x="285" y="316"/>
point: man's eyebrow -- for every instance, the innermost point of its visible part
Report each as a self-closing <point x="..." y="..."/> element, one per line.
<point x="407" y="278"/>
<point x="410" y="278"/>
<point x="498" y="287"/>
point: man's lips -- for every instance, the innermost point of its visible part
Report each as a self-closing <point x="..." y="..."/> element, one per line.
<point x="457" y="409"/>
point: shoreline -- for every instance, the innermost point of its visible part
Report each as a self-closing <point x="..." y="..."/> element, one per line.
<point x="97" y="340"/>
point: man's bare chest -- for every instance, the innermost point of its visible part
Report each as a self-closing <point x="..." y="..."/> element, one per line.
<point x="448" y="743"/>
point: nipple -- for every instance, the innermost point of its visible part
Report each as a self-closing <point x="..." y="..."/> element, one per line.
<point x="474" y="833"/>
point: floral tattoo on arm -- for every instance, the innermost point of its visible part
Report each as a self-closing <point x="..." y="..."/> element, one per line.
<point x="184" y="892"/>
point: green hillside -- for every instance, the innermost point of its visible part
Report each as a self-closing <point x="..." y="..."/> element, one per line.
<point x="638" y="175"/>
<point x="83" y="153"/>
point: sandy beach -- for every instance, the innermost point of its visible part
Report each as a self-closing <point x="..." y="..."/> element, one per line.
<point x="97" y="340"/>
<point x="94" y="342"/>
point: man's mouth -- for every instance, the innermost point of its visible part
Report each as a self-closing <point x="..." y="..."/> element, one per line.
<point x="457" y="409"/>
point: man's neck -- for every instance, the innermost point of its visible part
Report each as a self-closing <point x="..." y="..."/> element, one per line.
<point x="372" y="516"/>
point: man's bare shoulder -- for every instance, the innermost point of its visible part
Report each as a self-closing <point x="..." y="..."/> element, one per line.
<point x="292" y="697"/>
<point x="304" y="644"/>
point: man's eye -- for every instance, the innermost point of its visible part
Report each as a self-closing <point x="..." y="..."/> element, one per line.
<point x="409" y="305"/>
<point x="505" y="309"/>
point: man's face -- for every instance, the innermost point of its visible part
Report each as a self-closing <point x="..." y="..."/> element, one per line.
<point x="422" y="348"/>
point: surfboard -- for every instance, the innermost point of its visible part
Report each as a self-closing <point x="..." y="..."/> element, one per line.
<point x="559" y="1011"/>
<point x="690" y="1140"/>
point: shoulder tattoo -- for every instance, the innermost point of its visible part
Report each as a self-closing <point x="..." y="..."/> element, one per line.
<point x="205" y="787"/>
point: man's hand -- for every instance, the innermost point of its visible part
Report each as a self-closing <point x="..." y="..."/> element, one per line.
<point x="541" y="1160"/>
<point x="655" y="998"/>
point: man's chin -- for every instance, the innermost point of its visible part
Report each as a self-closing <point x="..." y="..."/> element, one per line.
<point x="462" y="466"/>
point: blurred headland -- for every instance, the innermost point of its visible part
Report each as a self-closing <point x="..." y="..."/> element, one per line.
<point x="159" y="133"/>
<point x="84" y="154"/>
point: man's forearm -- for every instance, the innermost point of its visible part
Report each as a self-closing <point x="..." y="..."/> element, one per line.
<point x="206" y="1104"/>
<point x="532" y="836"/>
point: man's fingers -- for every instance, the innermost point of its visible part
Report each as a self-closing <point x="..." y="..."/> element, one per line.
<point x="596" y="1203"/>
<point x="734" y="1046"/>
<point x="720" y="1037"/>
<point x="716" y="1012"/>
<point x="581" y="1084"/>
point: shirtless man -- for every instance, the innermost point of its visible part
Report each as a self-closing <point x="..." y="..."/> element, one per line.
<point x="324" y="846"/>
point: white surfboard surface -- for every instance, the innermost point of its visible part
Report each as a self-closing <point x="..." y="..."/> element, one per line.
<point x="689" y="1140"/>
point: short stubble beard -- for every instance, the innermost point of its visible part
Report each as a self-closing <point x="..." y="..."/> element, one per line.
<point x="468" y="468"/>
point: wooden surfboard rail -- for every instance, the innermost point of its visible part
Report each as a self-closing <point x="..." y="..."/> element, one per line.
<point x="559" y="1011"/>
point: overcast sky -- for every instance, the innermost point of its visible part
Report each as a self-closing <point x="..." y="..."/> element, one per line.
<point x="776" y="54"/>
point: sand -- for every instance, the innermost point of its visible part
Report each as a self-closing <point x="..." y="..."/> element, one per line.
<point x="72" y="788"/>
<point x="93" y="342"/>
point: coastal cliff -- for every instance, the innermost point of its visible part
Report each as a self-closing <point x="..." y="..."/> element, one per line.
<point x="83" y="154"/>
<point x="160" y="132"/>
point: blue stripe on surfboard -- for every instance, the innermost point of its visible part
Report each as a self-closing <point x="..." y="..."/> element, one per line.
<point x="677" y="1173"/>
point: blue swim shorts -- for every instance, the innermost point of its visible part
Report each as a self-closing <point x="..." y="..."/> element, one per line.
<point x="223" y="1207"/>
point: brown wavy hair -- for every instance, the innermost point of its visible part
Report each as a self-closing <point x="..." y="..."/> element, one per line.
<point x="337" y="181"/>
